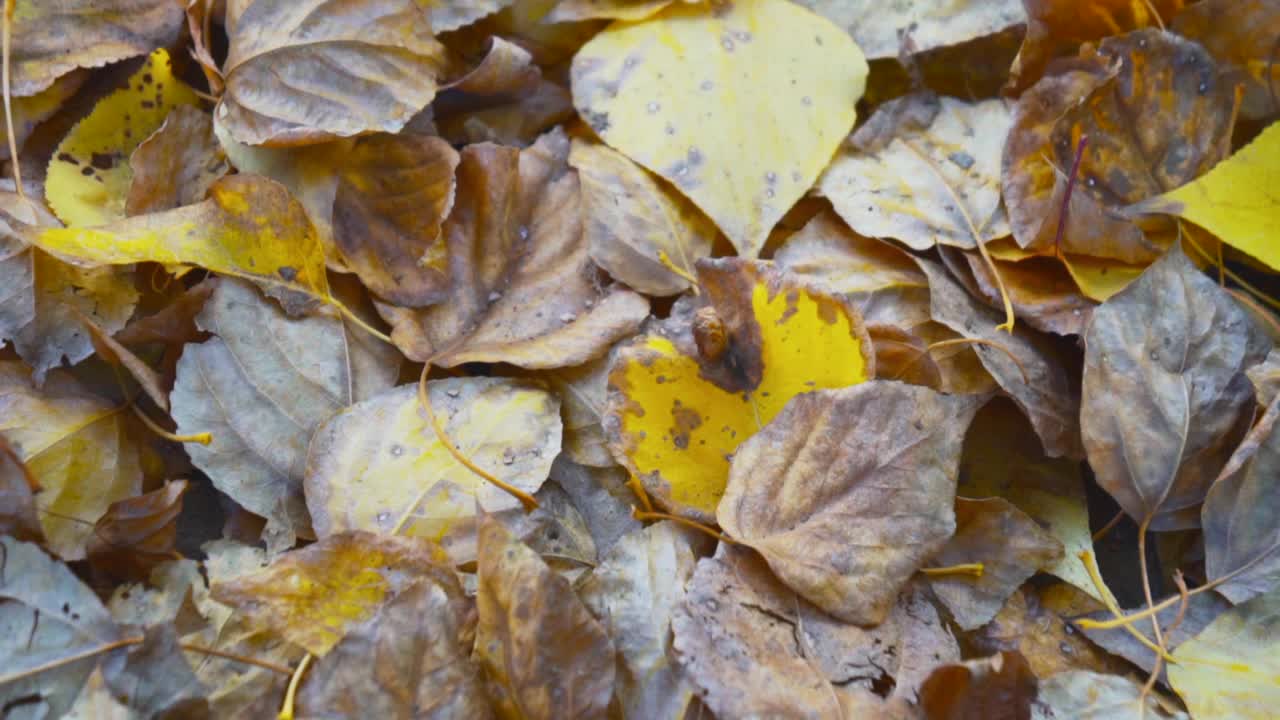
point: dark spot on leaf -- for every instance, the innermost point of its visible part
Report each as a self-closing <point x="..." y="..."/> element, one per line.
<point x="288" y="273"/>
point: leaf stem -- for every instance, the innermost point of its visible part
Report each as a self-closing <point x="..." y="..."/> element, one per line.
<point x="191" y="647"/>
<point x="971" y="569"/>
<point x="643" y="515"/>
<point x="8" y="100"/>
<point x="286" y="708"/>
<point x="1086" y="557"/>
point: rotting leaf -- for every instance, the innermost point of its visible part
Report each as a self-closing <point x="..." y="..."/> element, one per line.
<point x="543" y="654"/>
<point x="1229" y="669"/>
<point x="973" y="690"/>
<point x="653" y="90"/>
<point x="1085" y="695"/>
<point x="138" y="533"/>
<point x="676" y="414"/>
<point x="1165" y="397"/>
<point x="1042" y="292"/>
<point x="847" y="492"/>
<point x="315" y="595"/>
<point x="176" y="165"/>
<point x="921" y="25"/>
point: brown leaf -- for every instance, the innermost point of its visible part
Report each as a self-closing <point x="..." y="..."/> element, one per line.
<point x="542" y="652"/>
<point x="1027" y="625"/>
<point x="847" y="492"/>
<point x="523" y="287"/>
<point x="394" y="192"/>
<point x="1000" y="687"/>
<point x="176" y="165"/>
<point x="304" y="72"/>
<point x="514" y="121"/>
<point x="410" y="661"/>
<point x="904" y="357"/>
<point x="1042" y="293"/>
<point x="17" y="497"/>
<point x="1246" y="42"/>
<point x="316" y="595"/>
<point x="54" y="37"/>
<point x="175" y="323"/>
<point x="1165" y="397"/>
<point x="1010" y="546"/>
<point x="449" y="15"/>
<point x="138" y="533"/>
<point x="112" y="351"/>
<point x="505" y="68"/>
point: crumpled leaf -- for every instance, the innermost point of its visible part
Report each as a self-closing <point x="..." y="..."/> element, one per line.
<point x="1234" y="200"/>
<point x="847" y="492"/>
<point x="881" y="30"/>
<point x="49" y="614"/>
<point x="1246" y="43"/>
<point x="1085" y="695"/>
<point x="75" y="445"/>
<point x="636" y="226"/>
<point x="138" y="533"/>
<point x="938" y="184"/>
<point x="523" y="288"/>
<point x="88" y="177"/>
<point x="393" y="194"/>
<point x="654" y="90"/>
<point x="54" y="37"/>
<point x="685" y="395"/>
<point x="299" y="73"/>
<point x="1165" y="397"/>
<point x="1238" y="517"/>
<point x="999" y="686"/>
<point x="17" y="490"/>
<point x="543" y="654"/>
<point x="411" y="660"/>
<point x="1011" y="547"/>
<point x="261" y="387"/>
<point x="176" y="165"/>
<point x="316" y="595"/>
<point x="633" y="593"/>
<point x="1229" y="670"/>
<point x="367" y="464"/>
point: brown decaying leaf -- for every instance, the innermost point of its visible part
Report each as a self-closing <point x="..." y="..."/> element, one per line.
<point x="505" y="69"/>
<point x="393" y="194"/>
<point x="1010" y="546"/>
<point x="17" y="497"/>
<point x="54" y="37"/>
<point x="175" y="323"/>
<point x="304" y="72"/>
<point x="904" y="357"/>
<point x="847" y="492"/>
<point x="1165" y="397"/>
<point x="315" y="595"/>
<point x="112" y="351"/>
<point x="1000" y="687"/>
<point x="411" y="661"/>
<point x="1243" y="35"/>
<point x="177" y="164"/>
<point x="1027" y="624"/>
<point x="138" y="533"/>
<point x="542" y="652"/>
<point x="515" y="121"/>
<point x="523" y="288"/>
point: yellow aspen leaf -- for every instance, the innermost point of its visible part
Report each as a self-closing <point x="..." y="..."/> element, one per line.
<point x="1237" y="200"/>
<point x="1232" y="668"/>
<point x="658" y="91"/>
<point x="89" y="175"/>
<point x="678" y="410"/>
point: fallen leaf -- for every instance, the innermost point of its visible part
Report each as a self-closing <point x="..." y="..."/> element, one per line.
<point x="653" y="90"/>
<point x="53" y="37"/>
<point x="153" y="677"/>
<point x="676" y="414"/>
<point x="543" y="654"/>
<point x="523" y="290"/>
<point x="302" y="73"/>
<point x="1233" y="200"/>
<point x="503" y="69"/>
<point x="1202" y="609"/>
<point x="113" y="352"/>
<point x="175" y="323"/>
<point x="603" y="497"/>
<point x="508" y="120"/>
<point x="138" y="533"/>
<point x="1000" y="686"/>
<point x="411" y="660"/>
<point x="1246" y="43"/>
<point x="176" y="165"/>
<point x="316" y="595"/>
<point x="260" y="388"/>
<point x="847" y="492"/>
<point x="88" y="178"/>
<point x="933" y="185"/>
<point x="367" y="464"/>
<point x="95" y="702"/>
<point x="1165" y="397"/>
<point x="74" y="443"/>
<point x="28" y="112"/>
<point x="1086" y="695"/>
<point x="393" y="195"/>
<point x="630" y="10"/>
<point x="449" y="15"/>
<point x="1026" y="625"/>
<point x="1009" y="545"/>
<point x="1042" y="292"/>
<point x="636" y="226"/>
<point x="1229" y="669"/>
<point x="583" y="391"/>
<point x="921" y="25"/>
<point x="1265" y="377"/>
<point x="633" y="593"/>
<point x="17" y="496"/>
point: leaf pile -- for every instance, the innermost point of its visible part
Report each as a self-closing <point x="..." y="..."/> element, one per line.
<point x="640" y="359"/>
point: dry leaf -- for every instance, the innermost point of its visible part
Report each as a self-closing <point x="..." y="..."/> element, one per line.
<point x="299" y="73"/>
<point x="1229" y="669"/>
<point x="1246" y="41"/>
<point x="138" y="533"/>
<point x="176" y="165"/>
<point x="882" y="30"/>
<point x="449" y="15"/>
<point x="1165" y="397"/>
<point x="261" y="387"/>
<point x="113" y="352"/>
<point x="316" y="595"/>
<point x="153" y="677"/>
<point x="1043" y="293"/>
<point x="542" y="652"/>
<point x="1084" y="695"/>
<point x="1265" y="377"/>
<point x="583" y="391"/>
<point x="654" y="89"/>
<point x="1000" y="687"/>
<point x="631" y="10"/>
<point x="1027" y="625"/>
<point x="1202" y="609"/>
<point x="603" y="497"/>
<point x="17" y="498"/>
<point x="846" y="492"/>
<point x="28" y="112"/>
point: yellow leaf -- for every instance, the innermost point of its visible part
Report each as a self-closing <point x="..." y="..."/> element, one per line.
<point x="676" y="416"/>
<point x="1237" y="200"/>
<point x="89" y="174"/>
<point x="739" y="105"/>
<point x="1232" y="668"/>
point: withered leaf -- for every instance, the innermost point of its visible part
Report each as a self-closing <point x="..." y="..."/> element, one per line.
<point x="1042" y="292"/>
<point x="138" y="533"/>
<point x="542" y="652"/>
<point x="112" y="351"/>
<point x="1247" y="43"/>
<point x="847" y="492"/>
<point x="1165" y="397"/>
<point x="1000" y="687"/>
<point x="1030" y="626"/>
<point x="153" y="677"/>
<point x="1009" y="544"/>
<point x="177" y="164"/>
<point x="316" y="595"/>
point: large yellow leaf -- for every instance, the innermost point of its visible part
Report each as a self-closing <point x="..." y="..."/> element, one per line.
<point x="1232" y="668"/>
<point x="89" y="175"/>
<point x="739" y="105"/>
<point x="678" y="410"/>
<point x="1238" y="200"/>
